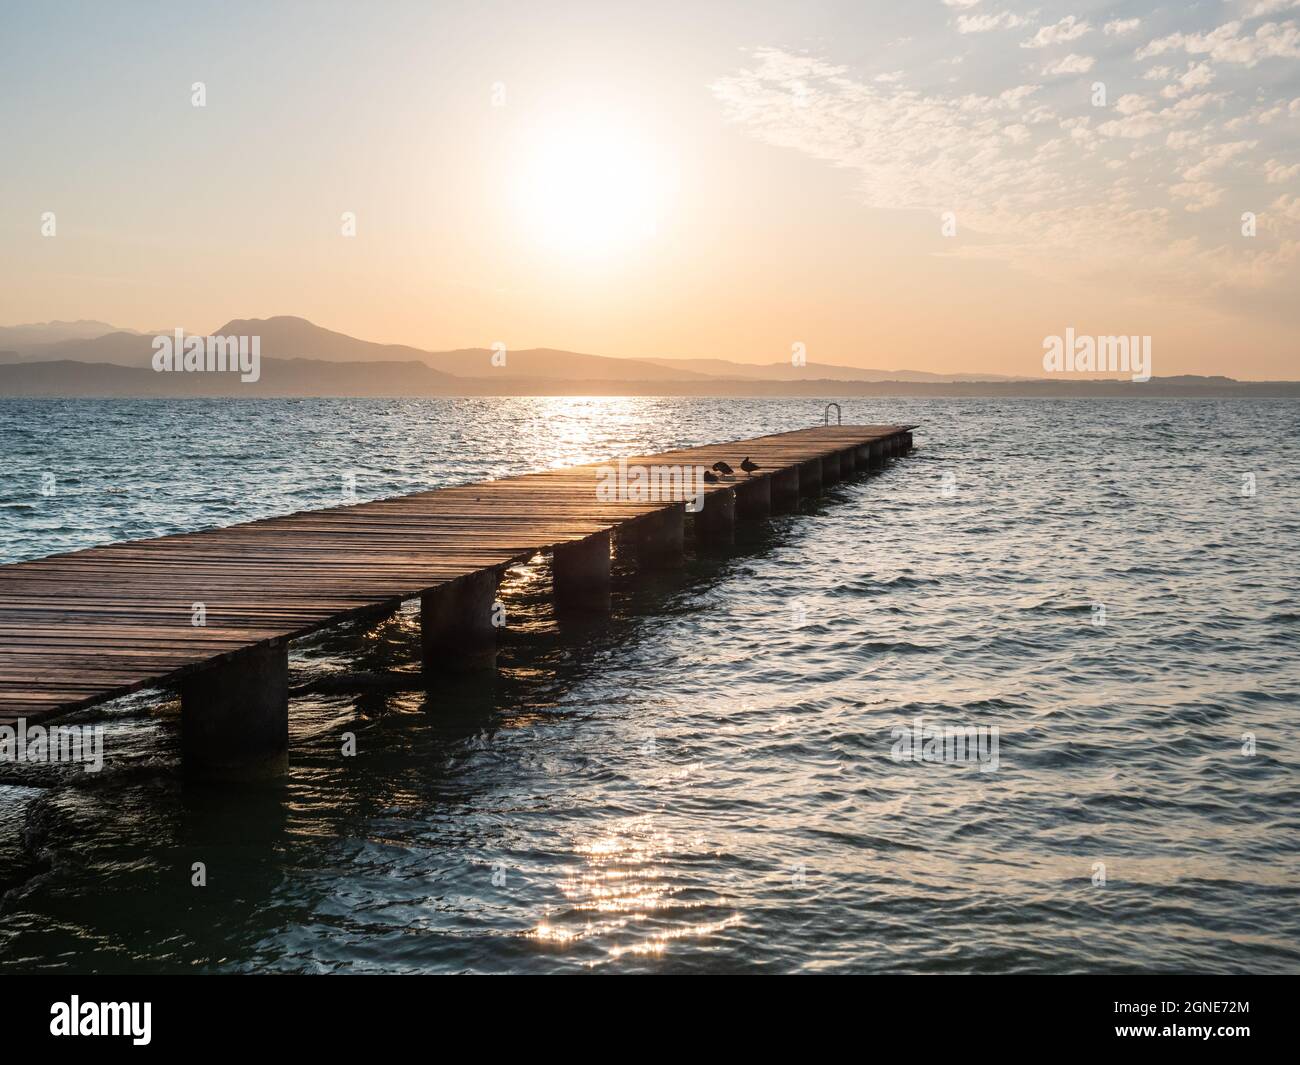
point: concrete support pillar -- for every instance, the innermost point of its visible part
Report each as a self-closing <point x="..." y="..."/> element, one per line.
<point x="580" y="570"/>
<point x="876" y="453"/>
<point x="863" y="456"/>
<point x="785" y="490"/>
<point x="715" y="525"/>
<point x="456" y="630"/>
<point x="848" y="462"/>
<point x="661" y="539"/>
<point x="907" y="443"/>
<point x="830" y="468"/>
<point x="235" y="716"/>
<point x="810" y="477"/>
<point x="754" y="498"/>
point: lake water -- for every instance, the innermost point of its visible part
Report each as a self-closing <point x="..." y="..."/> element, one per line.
<point x="705" y="782"/>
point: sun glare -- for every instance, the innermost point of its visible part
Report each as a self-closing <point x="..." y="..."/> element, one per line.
<point x="586" y="187"/>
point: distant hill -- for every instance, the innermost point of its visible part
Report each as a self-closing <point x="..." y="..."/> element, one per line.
<point x="123" y="348"/>
<point x="279" y="377"/>
<point x="317" y="377"/>
<point x="300" y="358"/>
<point x="21" y="337"/>
<point x="786" y="371"/>
<point x="287" y="337"/>
<point x="547" y="363"/>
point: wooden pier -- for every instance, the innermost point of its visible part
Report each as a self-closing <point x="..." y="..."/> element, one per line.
<point x="80" y="628"/>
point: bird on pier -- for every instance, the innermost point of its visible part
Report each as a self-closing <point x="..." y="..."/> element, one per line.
<point x="723" y="468"/>
<point x="748" y="467"/>
<point x="710" y="478"/>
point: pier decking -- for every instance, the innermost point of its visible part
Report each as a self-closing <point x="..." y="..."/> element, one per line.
<point x="77" y="629"/>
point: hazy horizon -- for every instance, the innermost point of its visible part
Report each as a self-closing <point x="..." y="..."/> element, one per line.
<point x="677" y="183"/>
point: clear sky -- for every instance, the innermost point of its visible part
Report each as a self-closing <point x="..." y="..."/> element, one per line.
<point x="695" y="179"/>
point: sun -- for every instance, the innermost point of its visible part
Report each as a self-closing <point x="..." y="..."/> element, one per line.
<point x="585" y="186"/>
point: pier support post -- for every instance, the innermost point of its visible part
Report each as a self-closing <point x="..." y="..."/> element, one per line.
<point x="830" y="468"/>
<point x="580" y="570"/>
<point x="848" y="462"/>
<point x="810" y="477"/>
<point x="456" y="630"/>
<point x="715" y="525"/>
<point x="785" y="490"/>
<point x="863" y="456"/>
<point x="235" y="716"/>
<point x="907" y="443"/>
<point x="754" y="498"/>
<point x="661" y="539"/>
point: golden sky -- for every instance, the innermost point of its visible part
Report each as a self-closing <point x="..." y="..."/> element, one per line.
<point x="699" y="180"/>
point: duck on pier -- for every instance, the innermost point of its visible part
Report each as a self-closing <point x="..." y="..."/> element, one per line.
<point x="723" y="468"/>
<point x="749" y="467"/>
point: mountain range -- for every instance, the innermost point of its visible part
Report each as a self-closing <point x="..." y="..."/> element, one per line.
<point x="299" y="358"/>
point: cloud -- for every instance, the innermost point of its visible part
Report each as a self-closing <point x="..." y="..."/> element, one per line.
<point x="1050" y="184"/>
<point x="1068" y="29"/>
<point x="1003" y="20"/>
<point x="1261" y="7"/>
<point x="960" y="3"/>
<point x="1071" y="64"/>
<point x="1226" y="44"/>
<point x="1287" y="208"/>
<point x="1135" y="125"/>
<point x="1215" y="158"/>
<point x="1275" y="173"/>
<point x="1120" y="26"/>
<point x="1200" y="195"/>
<point x="1196" y="76"/>
<point x="1132" y="103"/>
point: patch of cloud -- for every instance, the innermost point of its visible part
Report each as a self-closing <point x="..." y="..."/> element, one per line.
<point x="1050" y="186"/>
<point x="1003" y="20"/>
<point x="1070" y="64"/>
<point x="1263" y="7"/>
<point x="1287" y="208"/>
<point x="1227" y="43"/>
<point x="1264" y="115"/>
<point x="1199" y="195"/>
<point x="1007" y="100"/>
<point x="1068" y="29"/>
<point x="1132" y="104"/>
<point x="1120" y="26"/>
<point x="1215" y="158"/>
<point x="1275" y="173"/>
<point x="1196" y="76"/>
